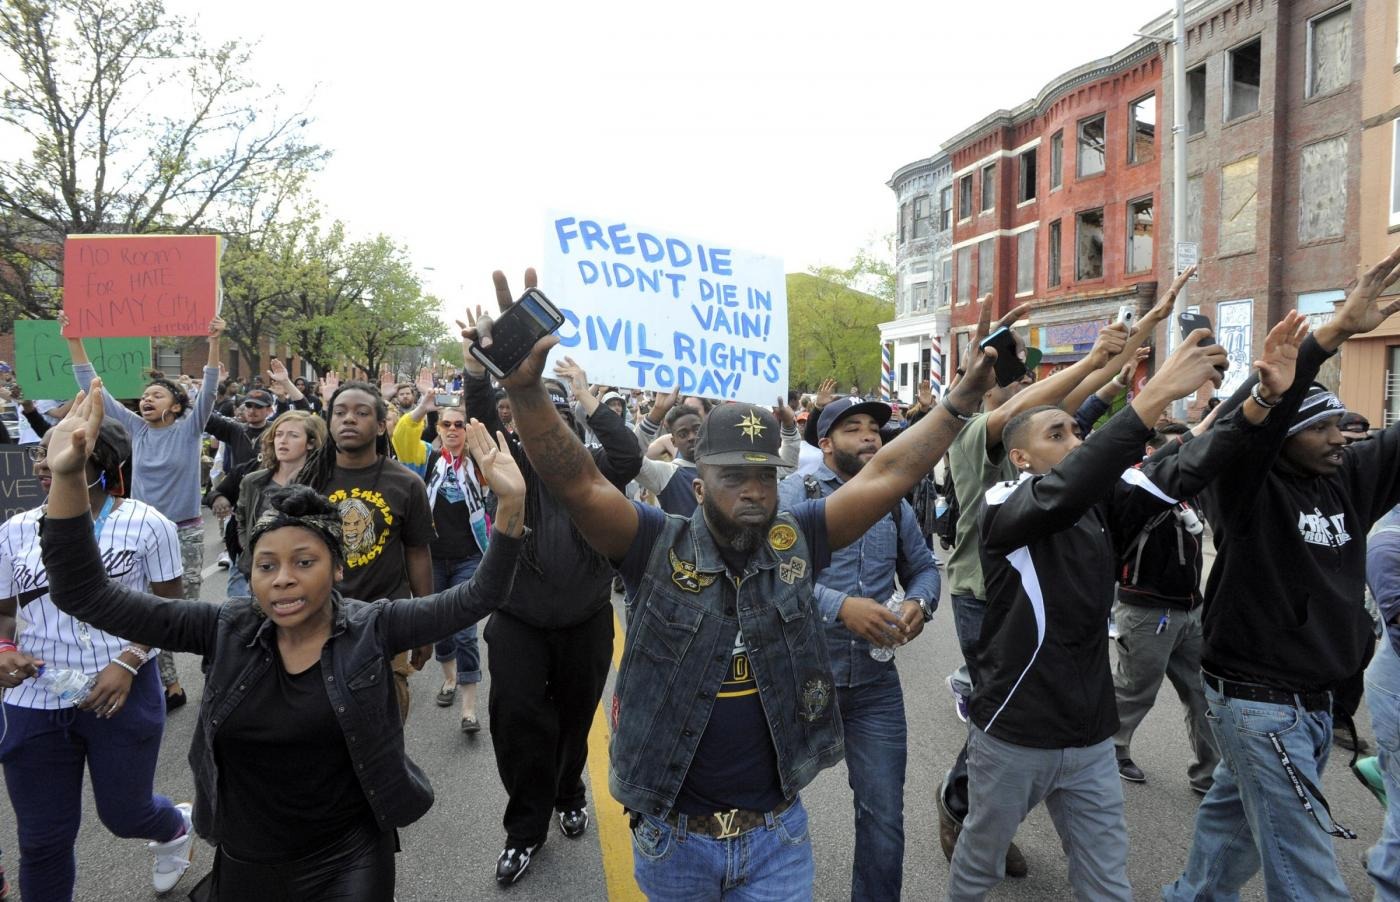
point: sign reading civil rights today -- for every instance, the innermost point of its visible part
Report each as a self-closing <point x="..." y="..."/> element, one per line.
<point x="652" y="309"/>
<point x="44" y="368"/>
<point x="141" y="285"/>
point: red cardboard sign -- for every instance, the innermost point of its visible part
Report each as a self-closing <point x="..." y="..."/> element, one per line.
<point x="140" y="285"/>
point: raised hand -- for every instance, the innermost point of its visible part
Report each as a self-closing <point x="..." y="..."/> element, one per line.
<point x="1163" y="308"/>
<point x="1109" y="344"/>
<point x="216" y="328"/>
<point x="71" y="441"/>
<point x="784" y="414"/>
<point x="925" y="395"/>
<point x="1363" y="311"/>
<point x="328" y="384"/>
<point x="1190" y="367"/>
<point x="531" y="369"/>
<point x="979" y="370"/>
<point x="826" y="393"/>
<point x="277" y="373"/>
<point x="569" y="370"/>
<point x="1280" y="360"/>
<point x="425" y="382"/>
<point x="387" y="383"/>
<point x="495" y="461"/>
<point x="468" y="330"/>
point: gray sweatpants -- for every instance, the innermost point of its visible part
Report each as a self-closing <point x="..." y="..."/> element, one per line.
<point x="1144" y="657"/>
<point x="1080" y="788"/>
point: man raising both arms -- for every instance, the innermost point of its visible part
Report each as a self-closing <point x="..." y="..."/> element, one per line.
<point x="724" y="706"/>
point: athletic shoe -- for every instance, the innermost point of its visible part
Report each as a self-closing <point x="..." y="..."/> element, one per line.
<point x="173" y="857"/>
<point x="446" y="695"/>
<point x="959" y="700"/>
<point x="513" y="862"/>
<point x="1130" y="771"/>
<point x="224" y="562"/>
<point x="573" y="823"/>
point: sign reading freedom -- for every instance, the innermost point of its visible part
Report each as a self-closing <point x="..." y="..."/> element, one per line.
<point x="141" y="285"/>
<point x="651" y="309"/>
<point x="44" y="368"/>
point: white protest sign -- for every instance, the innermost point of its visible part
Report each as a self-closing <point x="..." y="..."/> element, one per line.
<point x="650" y="308"/>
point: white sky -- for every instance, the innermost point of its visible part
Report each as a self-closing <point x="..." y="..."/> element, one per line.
<point x="455" y="126"/>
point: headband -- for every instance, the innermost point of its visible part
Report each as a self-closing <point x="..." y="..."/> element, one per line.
<point x="327" y="526"/>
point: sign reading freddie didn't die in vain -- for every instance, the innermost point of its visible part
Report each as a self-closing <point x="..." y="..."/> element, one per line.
<point x="140" y="285"/>
<point x="651" y="309"/>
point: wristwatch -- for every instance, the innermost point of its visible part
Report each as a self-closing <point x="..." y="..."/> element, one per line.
<point x="925" y="606"/>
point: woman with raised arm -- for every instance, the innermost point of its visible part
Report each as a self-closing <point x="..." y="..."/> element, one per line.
<point x="301" y="777"/>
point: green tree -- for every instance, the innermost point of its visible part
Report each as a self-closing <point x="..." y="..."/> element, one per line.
<point x="82" y="80"/>
<point x="832" y="329"/>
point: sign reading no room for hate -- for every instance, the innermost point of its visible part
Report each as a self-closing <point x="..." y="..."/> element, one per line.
<point x="652" y="309"/>
<point x="141" y="285"/>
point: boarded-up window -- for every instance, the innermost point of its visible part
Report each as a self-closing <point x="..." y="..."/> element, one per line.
<point x="1242" y="81"/>
<point x="1195" y="197"/>
<point x="1329" y="52"/>
<point x="1140" y="235"/>
<point x="1142" y="125"/>
<point x="1239" y="196"/>
<point x="964" y="274"/>
<point x="986" y="266"/>
<point x="1052" y="255"/>
<point x="1025" y="262"/>
<point x="1322" y="190"/>
<point x="1089" y="245"/>
<point x="1196" y="100"/>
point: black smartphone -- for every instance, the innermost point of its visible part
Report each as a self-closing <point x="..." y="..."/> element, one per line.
<point x="1009" y="366"/>
<point x="513" y="335"/>
<point x="1190" y="322"/>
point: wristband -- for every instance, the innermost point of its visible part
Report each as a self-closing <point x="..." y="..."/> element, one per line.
<point x="7" y="645"/>
<point x="125" y="666"/>
<point x="963" y="417"/>
<point x="1259" y="399"/>
<point x="138" y="654"/>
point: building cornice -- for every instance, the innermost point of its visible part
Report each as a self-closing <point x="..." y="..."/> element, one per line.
<point x="918" y="167"/>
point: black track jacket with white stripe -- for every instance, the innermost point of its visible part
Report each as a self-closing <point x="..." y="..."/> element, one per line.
<point x="1048" y="555"/>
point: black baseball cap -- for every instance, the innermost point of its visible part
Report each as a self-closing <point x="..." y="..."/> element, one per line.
<point x="838" y="410"/>
<point x="740" y="435"/>
<point x="259" y="398"/>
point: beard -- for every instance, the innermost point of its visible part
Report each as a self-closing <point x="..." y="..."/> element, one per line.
<point x="744" y="539"/>
<point x="847" y="463"/>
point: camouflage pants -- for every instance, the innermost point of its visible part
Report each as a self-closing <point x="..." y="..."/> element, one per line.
<point x="192" y="556"/>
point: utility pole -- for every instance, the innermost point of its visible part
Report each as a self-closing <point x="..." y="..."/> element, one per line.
<point x="1179" y="100"/>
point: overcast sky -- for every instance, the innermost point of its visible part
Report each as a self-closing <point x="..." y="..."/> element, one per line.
<point x="456" y="126"/>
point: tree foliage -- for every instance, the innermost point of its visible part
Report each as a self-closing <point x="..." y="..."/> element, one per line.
<point x="833" y="329"/>
<point x="128" y="123"/>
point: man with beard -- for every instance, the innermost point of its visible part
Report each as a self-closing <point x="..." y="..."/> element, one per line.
<point x="850" y="597"/>
<point x="551" y="643"/>
<point x="723" y="707"/>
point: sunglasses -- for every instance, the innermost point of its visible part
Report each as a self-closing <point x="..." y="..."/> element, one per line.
<point x="452" y="424"/>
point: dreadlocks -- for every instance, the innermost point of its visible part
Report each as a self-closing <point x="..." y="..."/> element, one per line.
<point x="319" y="468"/>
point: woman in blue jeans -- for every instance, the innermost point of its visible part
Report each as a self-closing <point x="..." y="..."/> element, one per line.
<point x="1383" y="697"/>
<point x="457" y="498"/>
<point x="116" y="730"/>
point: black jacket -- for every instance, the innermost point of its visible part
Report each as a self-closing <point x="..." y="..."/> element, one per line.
<point x="1160" y="566"/>
<point x="562" y="580"/>
<point x="1284" y="601"/>
<point x="237" y="643"/>
<point x="1048" y="557"/>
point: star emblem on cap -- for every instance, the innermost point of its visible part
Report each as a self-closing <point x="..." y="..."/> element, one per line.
<point x="751" y="426"/>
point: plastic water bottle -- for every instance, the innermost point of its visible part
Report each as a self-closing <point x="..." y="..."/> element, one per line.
<point x="880" y="653"/>
<point x="71" y="686"/>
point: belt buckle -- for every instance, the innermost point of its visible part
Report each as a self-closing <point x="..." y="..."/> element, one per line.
<point x="726" y="823"/>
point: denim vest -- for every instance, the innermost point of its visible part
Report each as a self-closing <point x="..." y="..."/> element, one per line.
<point x="681" y="628"/>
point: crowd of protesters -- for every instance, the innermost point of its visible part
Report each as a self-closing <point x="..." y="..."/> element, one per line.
<point x="769" y="559"/>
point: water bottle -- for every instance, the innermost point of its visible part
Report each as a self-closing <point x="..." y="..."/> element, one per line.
<point x="880" y="653"/>
<point x="70" y="686"/>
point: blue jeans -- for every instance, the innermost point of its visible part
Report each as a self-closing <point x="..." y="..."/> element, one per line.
<point x="876" y="747"/>
<point x="462" y="644"/>
<point x="1383" y="699"/>
<point x="43" y="755"/>
<point x="771" y="863"/>
<point x="237" y="582"/>
<point x="1252" y="788"/>
<point x="968" y="612"/>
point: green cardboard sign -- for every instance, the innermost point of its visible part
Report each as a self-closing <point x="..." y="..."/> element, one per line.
<point x="44" y="368"/>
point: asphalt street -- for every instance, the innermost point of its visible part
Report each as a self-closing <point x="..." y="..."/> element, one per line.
<point x="450" y="854"/>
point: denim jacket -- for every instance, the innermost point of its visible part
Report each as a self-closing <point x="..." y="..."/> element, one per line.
<point x="684" y="614"/>
<point x="238" y="643"/>
<point x="866" y="569"/>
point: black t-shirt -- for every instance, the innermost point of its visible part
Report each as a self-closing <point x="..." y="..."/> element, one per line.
<point x="383" y="507"/>
<point x="287" y="786"/>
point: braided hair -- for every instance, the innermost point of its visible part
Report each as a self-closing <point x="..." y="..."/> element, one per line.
<point x="319" y="469"/>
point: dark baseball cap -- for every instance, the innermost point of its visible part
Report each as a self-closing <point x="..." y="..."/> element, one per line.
<point x="742" y="435"/>
<point x="259" y="398"/>
<point x="837" y="411"/>
<point x="115" y="436"/>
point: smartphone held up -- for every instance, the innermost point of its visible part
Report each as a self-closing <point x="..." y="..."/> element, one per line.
<point x="513" y="334"/>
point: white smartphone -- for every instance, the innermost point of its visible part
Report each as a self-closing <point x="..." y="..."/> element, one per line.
<point x="1126" y="315"/>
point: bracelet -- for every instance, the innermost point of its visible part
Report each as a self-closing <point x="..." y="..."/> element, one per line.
<point x="125" y="666"/>
<point x="1259" y="399"/>
<point x="948" y="406"/>
<point x="138" y="654"/>
<point x="8" y="645"/>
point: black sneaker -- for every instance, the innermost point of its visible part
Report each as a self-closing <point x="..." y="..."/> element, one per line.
<point x="513" y="862"/>
<point x="1130" y="771"/>
<point x="573" y="823"/>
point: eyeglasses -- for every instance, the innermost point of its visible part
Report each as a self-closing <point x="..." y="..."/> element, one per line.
<point x="38" y="453"/>
<point x="452" y="424"/>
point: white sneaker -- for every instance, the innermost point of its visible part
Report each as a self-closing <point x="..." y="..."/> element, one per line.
<point x="224" y="562"/>
<point x="173" y="858"/>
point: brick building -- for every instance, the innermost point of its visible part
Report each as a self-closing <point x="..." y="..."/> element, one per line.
<point x="1055" y="204"/>
<point x="923" y="270"/>
<point x="1273" y="163"/>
